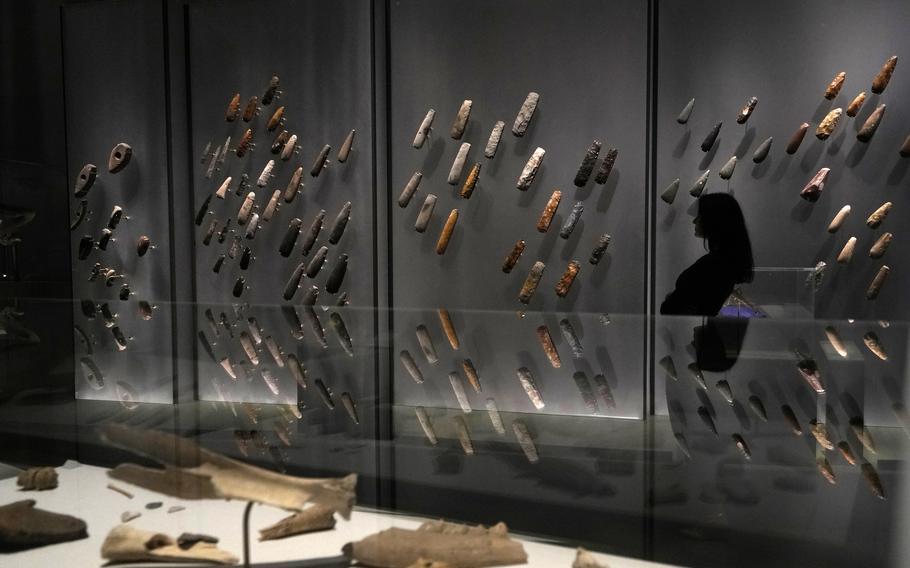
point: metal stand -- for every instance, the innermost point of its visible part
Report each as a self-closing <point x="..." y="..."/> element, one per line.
<point x="246" y="534"/>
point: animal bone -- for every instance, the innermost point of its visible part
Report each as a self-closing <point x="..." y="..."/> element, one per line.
<point x="128" y="544"/>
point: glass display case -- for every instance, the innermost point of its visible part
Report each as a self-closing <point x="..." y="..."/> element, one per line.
<point x="372" y="283"/>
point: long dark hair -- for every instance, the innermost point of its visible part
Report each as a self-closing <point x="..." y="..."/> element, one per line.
<point x="724" y="228"/>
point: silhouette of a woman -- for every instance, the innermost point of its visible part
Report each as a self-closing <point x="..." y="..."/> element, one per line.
<point x="702" y="288"/>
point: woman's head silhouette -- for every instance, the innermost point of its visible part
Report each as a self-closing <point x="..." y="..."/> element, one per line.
<point x="720" y="222"/>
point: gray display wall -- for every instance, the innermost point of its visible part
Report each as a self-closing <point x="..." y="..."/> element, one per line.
<point x="322" y="54"/>
<point x="793" y="53"/>
<point x="495" y="55"/>
<point x="108" y="102"/>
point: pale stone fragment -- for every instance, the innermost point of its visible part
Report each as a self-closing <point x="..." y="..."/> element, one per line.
<point x="458" y="164"/>
<point x="877" y="216"/>
<point x="461" y="119"/>
<point x="520" y="429"/>
<point x="881" y="245"/>
<point x="846" y="253"/>
<point x="686" y="112"/>
<point x="700" y="184"/>
<point x="839" y="219"/>
<point x="726" y="172"/>
<point x="669" y="195"/>
<point x="408" y="192"/>
<point x="460" y="395"/>
<point x="828" y="124"/>
<point x="495" y="137"/>
<point x="424" y="129"/>
<point x="530" y="170"/>
<point x="426" y="212"/>
<point x="525" y="114"/>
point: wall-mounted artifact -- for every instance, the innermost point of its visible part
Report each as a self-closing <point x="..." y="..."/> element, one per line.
<point x="110" y="318"/>
<point x="726" y="172"/>
<point x="206" y="152"/>
<point x="223" y="188"/>
<point x="587" y="164"/>
<point x="820" y="433"/>
<point x="458" y="164"/>
<point x="272" y="206"/>
<point x="294" y="185"/>
<point x="531" y="282"/>
<point x="697" y="376"/>
<point x="549" y="348"/>
<point x="875" y="346"/>
<point x="274" y="350"/>
<point x="290" y="148"/>
<point x="460" y="395"/>
<point x="294" y="324"/>
<point x="272" y="91"/>
<point x="116" y="216"/>
<point x="424" y="129"/>
<point x="325" y="394"/>
<point x="192" y="472"/>
<point x="311" y="519"/>
<point x="862" y="434"/>
<point x="276" y="120"/>
<point x="336" y="276"/>
<point x="520" y="429"/>
<point x="600" y="248"/>
<point x="742" y="446"/>
<point x="411" y="366"/>
<point x="808" y="369"/>
<point x="266" y="174"/>
<point x="813" y="190"/>
<point x="839" y="219"/>
<point x="315" y="264"/>
<point x="686" y="112"/>
<point x="797" y="138"/>
<point x="872" y="479"/>
<point x="512" y="258"/>
<point x="124" y="292"/>
<point x="127" y="544"/>
<point x="120" y="157"/>
<point x="866" y="133"/>
<point x="233" y="108"/>
<point x="586" y="391"/>
<point x="876" y="285"/>
<point x="448" y="327"/>
<point x="527" y="382"/>
<point x="252" y="227"/>
<point x="471" y="373"/>
<point x="834" y="339"/>
<point x="792" y="421"/>
<point x="243" y="214"/>
<point x="708" y="143"/>
<point x="408" y="192"/>
<point x="313" y="233"/>
<point x="317" y="330"/>
<point x="424" y="419"/>
<point x="86" y="246"/>
<point x="878" y="216"/>
<point x="461" y="119"/>
<point x="835" y="86"/>
<point x="495" y="137"/>
<point x="297" y="370"/>
<point x="495" y="417"/>
<point x="567" y="278"/>
<point x="143" y="245"/>
<point x="210" y="318"/>
<point x="762" y="151"/>
<point x="290" y="238"/>
<point x="438" y="544"/>
<point x="346" y="147"/>
<point x="213" y="163"/>
<point x="758" y="407"/>
<point x="207" y="239"/>
<point x="857" y="103"/>
<point x="706" y="418"/>
<point x="251" y="109"/>
<point x="881" y="245"/>
<point x="572" y="220"/>
<point x="341" y="221"/>
<point x="471" y="182"/>
<point x="85" y="180"/>
<point x="244" y="184"/>
<point x="23" y="527"/>
<point x="280" y="141"/>
<point x="320" y="162"/>
<point x="426" y="344"/>
<point x="669" y="194"/>
<point x="119" y="338"/>
<point x="105" y="239"/>
<point x="530" y="170"/>
<point x="445" y="236"/>
<point x="699" y="186"/>
<point x="723" y="387"/>
<point x="880" y="82"/>
<point x="426" y="212"/>
<point x="239" y="286"/>
<point x="828" y="124"/>
<point x="546" y="216"/>
<point x="81" y="212"/>
<point x="846" y="253"/>
<point x="224" y="150"/>
<point x="37" y="479"/>
<point x="246" y="142"/>
<point x="525" y="114"/>
<point x="746" y="111"/>
<point x="246" y="258"/>
<point x="249" y="348"/>
<point x="825" y="469"/>
<point x="606" y="166"/>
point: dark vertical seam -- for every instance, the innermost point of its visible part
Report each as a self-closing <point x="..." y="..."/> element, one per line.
<point x="387" y="23"/>
<point x="192" y="193"/>
<point x="377" y="387"/>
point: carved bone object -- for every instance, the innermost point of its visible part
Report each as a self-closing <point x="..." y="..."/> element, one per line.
<point x="311" y="519"/>
<point x="128" y="544"/>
